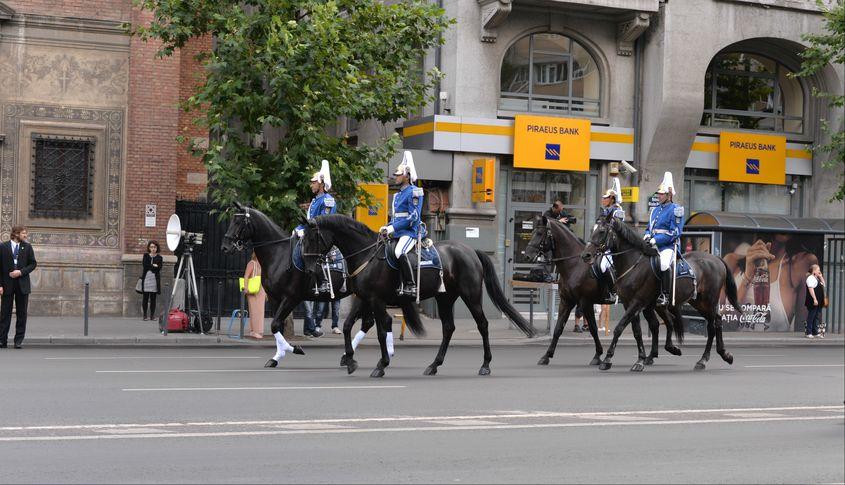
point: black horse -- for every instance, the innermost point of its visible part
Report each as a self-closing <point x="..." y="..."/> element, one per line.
<point x="371" y="278"/>
<point x="285" y="285"/>
<point x="576" y="286"/>
<point x="641" y="287"/>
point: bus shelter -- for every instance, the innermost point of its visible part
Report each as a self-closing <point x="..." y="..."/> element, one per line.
<point x="769" y="257"/>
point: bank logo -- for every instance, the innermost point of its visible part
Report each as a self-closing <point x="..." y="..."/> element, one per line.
<point x="552" y="151"/>
<point x="752" y="166"/>
<point x="479" y="175"/>
<point x="372" y="210"/>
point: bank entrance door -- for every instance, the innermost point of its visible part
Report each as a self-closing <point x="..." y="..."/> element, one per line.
<point x="530" y="194"/>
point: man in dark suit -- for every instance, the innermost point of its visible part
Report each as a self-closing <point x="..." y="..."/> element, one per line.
<point x="17" y="260"/>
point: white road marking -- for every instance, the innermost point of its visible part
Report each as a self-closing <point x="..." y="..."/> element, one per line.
<point x="468" y="422"/>
<point x="409" y="429"/>
<point x="278" y="388"/>
<point x="754" y="415"/>
<point x="189" y="371"/>
<point x="142" y="357"/>
<point x="796" y="365"/>
<point x="132" y="431"/>
<point x="517" y="415"/>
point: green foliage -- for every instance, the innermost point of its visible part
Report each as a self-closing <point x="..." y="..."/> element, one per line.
<point x="299" y="65"/>
<point x="825" y="49"/>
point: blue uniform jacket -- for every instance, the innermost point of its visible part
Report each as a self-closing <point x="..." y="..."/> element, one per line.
<point x="615" y="209"/>
<point x="322" y="204"/>
<point x="405" y="217"/>
<point x="665" y="224"/>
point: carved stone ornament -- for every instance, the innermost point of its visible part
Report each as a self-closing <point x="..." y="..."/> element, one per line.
<point x="493" y="14"/>
<point x="628" y="31"/>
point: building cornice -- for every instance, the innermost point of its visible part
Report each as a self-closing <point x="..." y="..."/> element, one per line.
<point x="493" y="14"/>
<point x="629" y="30"/>
<point x="6" y="12"/>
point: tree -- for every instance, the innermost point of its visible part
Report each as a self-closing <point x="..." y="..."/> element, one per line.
<point x="298" y="66"/>
<point x="825" y="49"/>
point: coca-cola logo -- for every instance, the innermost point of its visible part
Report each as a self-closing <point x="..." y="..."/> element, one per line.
<point x="751" y="316"/>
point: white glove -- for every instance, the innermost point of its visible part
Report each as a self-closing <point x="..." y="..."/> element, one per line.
<point x="646" y="237"/>
<point x="653" y="242"/>
<point x="386" y="230"/>
<point x="299" y="232"/>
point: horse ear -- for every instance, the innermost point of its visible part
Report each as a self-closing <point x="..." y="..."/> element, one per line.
<point x="312" y="223"/>
<point x="238" y="205"/>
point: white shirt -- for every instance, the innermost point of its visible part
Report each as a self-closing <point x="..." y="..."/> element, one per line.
<point x="14" y="248"/>
<point x="812" y="282"/>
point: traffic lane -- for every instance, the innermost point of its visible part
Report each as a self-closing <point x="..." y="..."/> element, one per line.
<point x="150" y="385"/>
<point x="757" y="452"/>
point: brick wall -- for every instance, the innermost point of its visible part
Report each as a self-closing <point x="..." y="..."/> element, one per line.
<point x="87" y="9"/>
<point x="190" y="172"/>
<point x="151" y="155"/>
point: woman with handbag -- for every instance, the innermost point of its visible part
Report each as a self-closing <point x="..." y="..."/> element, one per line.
<point x="814" y="301"/>
<point x="255" y="296"/>
<point x="150" y="281"/>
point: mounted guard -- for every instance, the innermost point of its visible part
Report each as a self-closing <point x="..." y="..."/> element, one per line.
<point x="665" y="226"/>
<point x="610" y="207"/>
<point x="405" y="224"/>
<point x="322" y="203"/>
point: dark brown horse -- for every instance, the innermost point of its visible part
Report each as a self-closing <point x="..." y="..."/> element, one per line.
<point x="576" y="286"/>
<point x="640" y="287"/>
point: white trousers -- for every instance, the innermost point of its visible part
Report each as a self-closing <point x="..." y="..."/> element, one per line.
<point x="606" y="262"/>
<point x="405" y="244"/>
<point x="666" y="258"/>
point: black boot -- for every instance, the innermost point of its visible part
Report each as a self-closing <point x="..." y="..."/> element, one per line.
<point x="608" y="284"/>
<point x="406" y="272"/>
<point x="665" y="287"/>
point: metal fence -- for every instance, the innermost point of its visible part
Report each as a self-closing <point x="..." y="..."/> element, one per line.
<point x="834" y="274"/>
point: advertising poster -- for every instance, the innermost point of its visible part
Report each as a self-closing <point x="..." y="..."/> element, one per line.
<point x="770" y="271"/>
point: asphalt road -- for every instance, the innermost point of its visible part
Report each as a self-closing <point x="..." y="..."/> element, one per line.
<point x="216" y="416"/>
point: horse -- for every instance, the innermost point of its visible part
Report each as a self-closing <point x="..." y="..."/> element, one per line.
<point x="641" y="286"/>
<point x="464" y="270"/>
<point x="286" y="286"/>
<point x="576" y="286"/>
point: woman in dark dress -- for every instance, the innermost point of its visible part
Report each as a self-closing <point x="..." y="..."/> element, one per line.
<point x="151" y="279"/>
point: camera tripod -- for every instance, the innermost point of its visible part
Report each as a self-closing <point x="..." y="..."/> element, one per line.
<point x="187" y="272"/>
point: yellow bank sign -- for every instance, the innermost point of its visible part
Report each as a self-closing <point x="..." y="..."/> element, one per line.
<point x="374" y="215"/>
<point x="551" y="143"/>
<point x="752" y="158"/>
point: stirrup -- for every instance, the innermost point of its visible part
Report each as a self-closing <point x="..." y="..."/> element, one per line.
<point x="409" y="290"/>
<point x="662" y="300"/>
<point x="612" y="298"/>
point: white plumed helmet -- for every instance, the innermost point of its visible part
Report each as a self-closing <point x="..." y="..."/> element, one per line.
<point x="407" y="166"/>
<point x="324" y="175"/>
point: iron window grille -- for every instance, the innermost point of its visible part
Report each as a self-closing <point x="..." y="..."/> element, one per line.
<point x="62" y="176"/>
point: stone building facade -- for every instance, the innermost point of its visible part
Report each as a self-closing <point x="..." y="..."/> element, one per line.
<point x="89" y="125"/>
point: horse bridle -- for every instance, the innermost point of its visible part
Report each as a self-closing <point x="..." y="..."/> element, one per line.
<point x="237" y="240"/>
<point x="324" y="256"/>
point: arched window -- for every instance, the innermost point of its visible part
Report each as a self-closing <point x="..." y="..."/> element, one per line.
<point x="753" y="92"/>
<point x="550" y="73"/>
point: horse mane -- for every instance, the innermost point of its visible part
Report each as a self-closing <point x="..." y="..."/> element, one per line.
<point x="568" y="231"/>
<point x="344" y="223"/>
<point x="253" y="212"/>
<point x="629" y="235"/>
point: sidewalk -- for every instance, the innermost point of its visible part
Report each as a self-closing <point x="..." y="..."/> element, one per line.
<point x="133" y="331"/>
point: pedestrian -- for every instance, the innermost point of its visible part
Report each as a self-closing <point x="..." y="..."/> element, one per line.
<point x="151" y="279"/>
<point x="255" y="301"/>
<point x="814" y="301"/>
<point x="579" y="317"/>
<point x="322" y="310"/>
<point x="17" y="261"/>
<point x="309" y="328"/>
<point x="557" y="212"/>
<point x="604" y="319"/>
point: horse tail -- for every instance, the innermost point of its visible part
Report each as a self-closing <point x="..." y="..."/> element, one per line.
<point x="730" y="287"/>
<point x="498" y="296"/>
<point x="412" y="318"/>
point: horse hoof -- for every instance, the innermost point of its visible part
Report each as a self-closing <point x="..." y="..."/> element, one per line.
<point x="673" y="350"/>
<point x="605" y="365"/>
<point x="596" y="360"/>
<point x="699" y="366"/>
<point x="637" y="367"/>
<point x="649" y="361"/>
<point x="351" y="367"/>
<point x="727" y="357"/>
<point x="298" y="350"/>
<point x="484" y="371"/>
<point x="430" y="371"/>
<point x="377" y="373"/>
<point x="544" y="360"/>
<point x="344" y="360"/>
<point x="271" y="363"/>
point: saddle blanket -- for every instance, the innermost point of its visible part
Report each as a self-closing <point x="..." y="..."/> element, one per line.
<point x="336" y="261"/>
<point x="684" y="269"/>
<point x="429" y="255"/>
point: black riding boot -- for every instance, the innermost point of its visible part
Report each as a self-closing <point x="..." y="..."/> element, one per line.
<point x="406" y="272"/>
<point x="608" y="283"/>
<point x="665" y="287"/>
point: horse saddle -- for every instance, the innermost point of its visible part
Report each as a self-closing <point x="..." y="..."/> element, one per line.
<point x="428" y="254"/>
<point x="336" y="261"/>
<point x="684" y="270"/>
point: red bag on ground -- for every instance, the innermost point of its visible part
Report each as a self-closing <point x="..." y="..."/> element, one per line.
<point x="177" y="321"/>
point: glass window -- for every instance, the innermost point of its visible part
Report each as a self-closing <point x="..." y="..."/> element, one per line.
<point x="550" y="73"/>
<point x="752" y="92"/>
<point x="62" y="176"/>
<point x="528" y="187"/>
<point x="569" y="188"/>
<point x="706" y="193"/>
